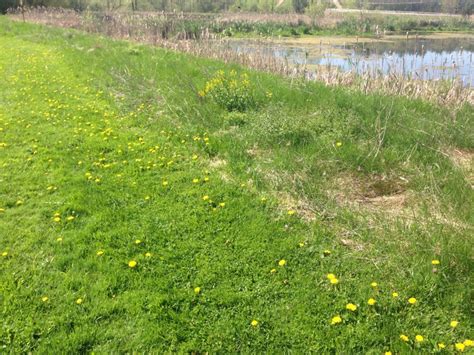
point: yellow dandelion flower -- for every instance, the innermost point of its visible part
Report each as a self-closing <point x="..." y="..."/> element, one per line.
<point x="138" y="241"/>
<point x="301" y="244"/>
<point x="388" y="353"/>
<point x="419" y="338"/>
<point x="57" y="219"/>
<point x="19" y="202"/>
<point x="195" y="157"/>
<point x="44" y="298"/>
<point x="395" y="294"/>
<point x="459" y="347"/>
<point x="2" y="210"/>
<point x="441" y="345"/>
<point x="374" y="284"/>
<point x="222" y="204"/>
<point x="254" y="323"/>
<point x="79" y="301"/>
<point x="351" y="307"/>
<point x="70" y="218"/>
<point x="334" y="281"/>
<point x="326" y="252"/>
<point x="132" y="263"/>
<point x="404" y="338"/>
<point x="195" y="181"/>
<point x="100" y="253"/>
<point x="331" y="276"/>
<point x="148" y="255"/>
<point x="197" y="290"/>
<point x="338" y="144"/>
<point x="435" y="262"/>
<point x="291" y="212"/>
<point x="206" y="179"/>
<point x="205" y="198"/>
<point x="282" y="262"/>
<point x="371" y="302"/>
<point x="336" y="320"/>
<point x="147" y="198"/>
<point x="273" y="271"/>
<point x="468" y="342"/>
<point x="59" y="239"/>
<point x="412" y="300"/>
<point x="453" y="323"/>
<point x="5" y="253"/>
<point x="164" y="183"/>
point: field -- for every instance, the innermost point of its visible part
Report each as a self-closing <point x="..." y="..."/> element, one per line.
<point x="145" y="207"/>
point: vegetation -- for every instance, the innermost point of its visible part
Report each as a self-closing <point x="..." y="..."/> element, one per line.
<point x="137" y="215"/>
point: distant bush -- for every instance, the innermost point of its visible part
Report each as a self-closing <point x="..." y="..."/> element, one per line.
<point x="231" y="91"/>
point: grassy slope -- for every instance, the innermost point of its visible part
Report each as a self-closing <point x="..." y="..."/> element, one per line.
<point x="73" y="105"/>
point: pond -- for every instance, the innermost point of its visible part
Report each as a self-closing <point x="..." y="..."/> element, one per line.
<point x="447" y="56"/>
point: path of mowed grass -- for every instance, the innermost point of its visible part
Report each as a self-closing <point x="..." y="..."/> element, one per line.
<point x="108" y="155"/>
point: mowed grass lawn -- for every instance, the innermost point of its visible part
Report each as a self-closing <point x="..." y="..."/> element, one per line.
<point x="136" y="215"/>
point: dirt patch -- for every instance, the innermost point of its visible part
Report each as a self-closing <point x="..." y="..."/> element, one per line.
<point x="464" y="160"/>
<point x="217" y="163"/>
<point x="378" y="193"/>
<point x="302" y="206"/>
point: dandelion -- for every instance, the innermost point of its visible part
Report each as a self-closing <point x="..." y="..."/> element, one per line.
<point x="100" y="253"/>
<point x="132" y="263"/>
<point x="44" y="298"/>
<point x="205" y="198"/>
<point x="148" y="255"/>
<point x="197" y="290"/>
<point x="351" y="307"/>
<point x="206" y="179"/>
<point x="195" y="181"/>
<point x="334" y="281"/>
<point x="291" y="212"/>
<point x="59" y="239"/>
<point x="338" y="144"/>
<point x="336" y="320"/>
<point x="419" y="338"/>
<point x="371" y="302"/>
<point x="195" y="157"/>
<point x="57" y="219"/>
<point x="5" y="253"/>
<point x="403" y="337"/>
<point x="459" y="347"/>
<point x="254" y="323"/>
<point x="138" y="241"/>
<point x="330" y="276"/>
<point x="453" y="323"/>
<point x="435" y="262"/>
<point x="164" y="183"/>
<point x="282" y="262"/>
<point x="79" y="301"/>
<point x="301" y="244"/>
<point x="374" y="284"/>
<point x="412" y="300"/>
<point x="2" y="210"/>
<point x="222" y="204"/>
<point x="70" y="218"/>
<point x="441" y="346"/>
<point x="273" y="271"/>
<point x="326" y="252"/>
<point x="395" y="294"/>
<point x="388" y="353"/>
<point x="468" y="342"/>
<point x="19" y="202"/>
<point x="263" y="199"/>
<point x="147" y="198"/>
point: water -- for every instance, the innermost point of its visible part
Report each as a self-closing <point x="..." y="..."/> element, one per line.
<point x="417" y="58"/>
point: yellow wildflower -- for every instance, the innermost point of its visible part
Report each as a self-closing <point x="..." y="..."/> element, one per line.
<point x="412" y="300"/>
<point x="371" y="302"/>
<point x="132" y="263"/>
<point x="394" y="294"/>
<point x="334" y="281"/>
<point x="197" y="290"/>
<point x="435" y="262"/>
<point x="404" y="337"/>
<point x="351" y="307"/>
<point x="254" y="323"/>
<point x="100" y="252"/>
<point x="459" y="347"/>
<point x="273" y="271"/>
<point x="419" y="338"/>
<point x="468" y="342"/>
<point x="454" y="323"/>
<point x="374" y="284"/>
<point x="331" y="276"/>
<point x="44" y="298"/>
<point x="441" y="345"/>
<point x="282" y="262"/>
<point x="336" y="320"/>
<point x="205" y="198"/>
<point x="79" y="301"/>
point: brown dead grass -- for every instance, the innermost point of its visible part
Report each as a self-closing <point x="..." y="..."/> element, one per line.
<point x="463" y="159"/>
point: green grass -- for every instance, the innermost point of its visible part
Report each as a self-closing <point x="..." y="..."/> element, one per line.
<point x="92" y="128"/>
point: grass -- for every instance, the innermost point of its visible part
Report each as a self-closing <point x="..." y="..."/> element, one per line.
<point x="101" y="143"/>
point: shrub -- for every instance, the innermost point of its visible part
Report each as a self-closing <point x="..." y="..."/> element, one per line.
<point x="231" y="91"/>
